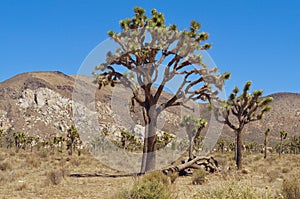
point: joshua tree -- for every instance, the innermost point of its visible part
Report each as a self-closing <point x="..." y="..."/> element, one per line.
<point x="164" y="140"/>
<point x="30" y="141"/>
<point x="193" y="127"/>
<point x="73" y="139"/>
<point x="283" y="135"/>
<point x="221" y="145"/>
<point x="238" y="111"/>
<point x="266" y="142"/>
<point x="295" y="143"/>
<point x="145" y="45"/>
<point x="129" y="141"/>
<point x="20" y="140"/>
<point x="58" y="140"/>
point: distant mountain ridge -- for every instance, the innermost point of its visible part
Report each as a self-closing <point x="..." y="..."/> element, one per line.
<point x="40" y="103"/>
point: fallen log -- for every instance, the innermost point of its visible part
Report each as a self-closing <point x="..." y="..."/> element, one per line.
<point x="208" y="163"/>
<point x="104" y="175"/>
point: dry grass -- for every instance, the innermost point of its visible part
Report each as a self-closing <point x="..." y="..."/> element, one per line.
<point x="44" y="175"/>
<point x="291" y="187"/>
<point x="199" y="177"/>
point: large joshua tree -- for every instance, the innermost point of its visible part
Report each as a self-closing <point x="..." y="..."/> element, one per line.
<point x="145" y="43"/>
<point x="193" y="127"/>
<point x="240" y="110"/>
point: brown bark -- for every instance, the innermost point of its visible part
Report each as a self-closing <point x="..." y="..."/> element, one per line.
<point x="239" y="145"/>
<point x="265" y="144"/>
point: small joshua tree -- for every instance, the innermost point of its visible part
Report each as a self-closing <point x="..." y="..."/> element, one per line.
<point x="193" y="127"/>
<point x="58" y="140"/>
<point x="73" y="139"/>
<point x="295" y="143"/>
<point x="266" y="142"/>
<point x="240" y="110"/>
<point x="283" y="135"/>
<point x="20" y="140"/>
<point x="221" y="145"/>
<point x="30" y="141"/>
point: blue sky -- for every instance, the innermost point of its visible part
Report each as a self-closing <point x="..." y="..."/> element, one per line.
<point x="254" y="40"/>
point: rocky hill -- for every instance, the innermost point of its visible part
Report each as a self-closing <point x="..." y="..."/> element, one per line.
<point x="42" y="103"/>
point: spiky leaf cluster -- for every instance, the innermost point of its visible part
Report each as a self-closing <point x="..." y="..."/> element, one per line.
<point x="193" y="124"/>
<point x="147" y="42"/>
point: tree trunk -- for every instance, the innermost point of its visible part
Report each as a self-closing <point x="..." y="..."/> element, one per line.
<point x="191" y="148"/>
<point x="239" y="144"/>
<point x="149" y="148"/>
<point x="280" y="150"/>
<point x="266" y="144"/>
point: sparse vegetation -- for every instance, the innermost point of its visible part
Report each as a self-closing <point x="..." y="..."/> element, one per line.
<point x="199" y="177"/>
<point x="153" y="185"/>
<point x="45" y="172"/>
<point x="234" y="190"/>
<point x="291" y="187"/>
<point x="55" y="177"/>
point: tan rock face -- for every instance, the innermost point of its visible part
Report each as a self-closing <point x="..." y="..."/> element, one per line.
<point x="42" y="104"/>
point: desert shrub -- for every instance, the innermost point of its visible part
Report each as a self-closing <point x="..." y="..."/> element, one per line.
<point x="291" y="187"/>
<point x="2" y="157"/>
<point x="7" y="177"/>
<point x="75" y="161"/>
<point x="4" y="166"/>
<point x="285" y="170"/>
<point x="43" y="154"/>
<point x="273" y="175"/>
<point x="257" y="158"/>
<point x="33" y="161"/>
<point x="173" y="177"/>
<point x="154" y="185"/>
<point x="235" y="190"/>
<point x="199" y="176"/>
<point x="55" y="177"/>
<point x="21" y="187"/>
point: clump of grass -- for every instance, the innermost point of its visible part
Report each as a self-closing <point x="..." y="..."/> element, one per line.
<point x="5" y="166"/>
<point x="235" y="190"/>
<point x="21" y="187"/>
<point x="2" y="157"/>
<point x="55" y="177"/>
<point x="33" y="161"/>
<point x="273" y="175"/>
<point x="285" y="170"/>
<point x="199" y="177"/>
<point x="75" y="161"/>
<point x="43" y="154"/>
<point x="173" y="177"/>
<point x="12" y="153"/>
<point x="7" y="177"/>
<point x="291" y="187"/>
<point x="153" y="185"/>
